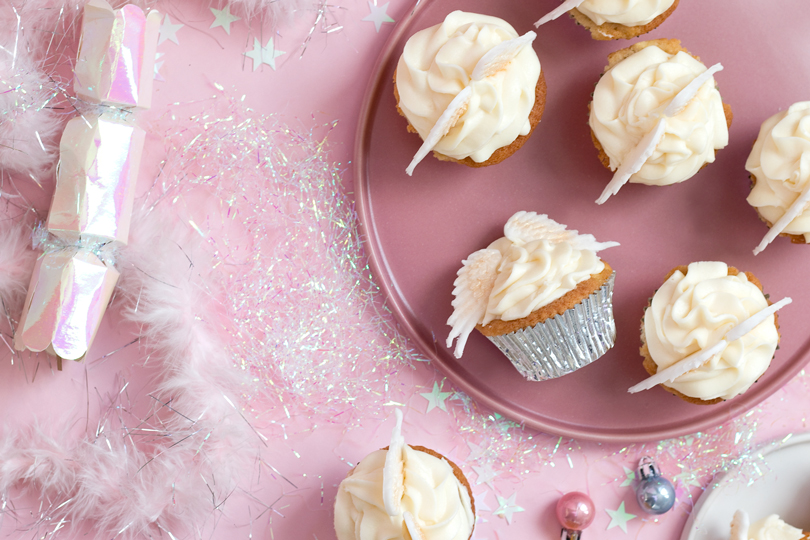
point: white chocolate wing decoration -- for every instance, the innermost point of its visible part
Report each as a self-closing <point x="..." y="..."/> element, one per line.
<point x="634" y="161"/>
<point x="565" y="7"/>
<point x="394" y="470"/>
<point x="442" y="127"/>
<point x="739" y="526"/>
<point x="499" y="56"/>
<point x="524" y="227"/>
<point x="688" y="93"/>
<point x="472" y="289"/>
<point x="798" y="206"/>
<point x="413" y="528"/>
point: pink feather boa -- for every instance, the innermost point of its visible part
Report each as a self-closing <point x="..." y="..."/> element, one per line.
<point x="122" y="483"/>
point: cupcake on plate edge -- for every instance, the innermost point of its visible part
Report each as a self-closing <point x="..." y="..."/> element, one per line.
<point x="615" y="19"/>
<point x="708" y="333"/>
<point x="471" y="87"/>
<point x="779" y="168"/>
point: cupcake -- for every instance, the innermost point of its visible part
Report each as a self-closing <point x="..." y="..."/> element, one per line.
<point x="646" y="88"/>
<point x="540" y="294"/>
<point x="404" y="492"/>
<point x="693" y="315"/>
<point x="769" y="528"/>
<point x="615" y="19"/>
<point x="471" y="88"/>
<point x="780" y="174"/>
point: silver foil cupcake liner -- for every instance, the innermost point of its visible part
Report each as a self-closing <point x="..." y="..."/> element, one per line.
<point x="564" y="343"/>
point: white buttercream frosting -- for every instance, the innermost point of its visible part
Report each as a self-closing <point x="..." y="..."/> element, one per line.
<point x="773" y="528"/>
<point x="626" y="12"/>
<point x="629" y="100"/>
<point x="534" y="274"/>
<point x="780" y="162"/>
<point x="693" y="312"/>
<point x="439" y="503"/>
<point x="437" y="63"/>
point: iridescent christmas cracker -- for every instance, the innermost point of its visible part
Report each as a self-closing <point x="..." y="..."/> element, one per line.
<point x="95" y="181"/>
<point x="67" y="297"/>
<point x="91" y="210"/>
<point x="116" y="59"/>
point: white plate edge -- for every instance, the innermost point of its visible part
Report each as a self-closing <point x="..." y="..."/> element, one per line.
<point x="712" y="491"/>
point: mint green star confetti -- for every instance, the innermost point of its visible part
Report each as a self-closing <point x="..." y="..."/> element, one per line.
<point x="436" y="398"/>
<point x="619" y="518"/>
<point x="631" y="476"/>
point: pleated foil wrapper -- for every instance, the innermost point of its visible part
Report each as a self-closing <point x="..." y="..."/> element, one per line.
<point x="116" y="59"/>
<point x="67" y="298"/>
<point x="564" y="343"/>
<point x="95" y="180"/>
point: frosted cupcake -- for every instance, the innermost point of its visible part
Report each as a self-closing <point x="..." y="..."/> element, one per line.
<point x="471" y="88"/>
<point x="769" y="528"/>
<point x="540" y="294"/>
<point x="657" y="115"/>
<point x="615" y="19"/>
<point x="716" y="320"/>
<point x="779" y="165"/>
<point x="404" y="493"/>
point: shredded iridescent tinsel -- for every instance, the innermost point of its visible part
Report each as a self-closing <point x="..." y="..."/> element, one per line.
<point x="310" y="324"/>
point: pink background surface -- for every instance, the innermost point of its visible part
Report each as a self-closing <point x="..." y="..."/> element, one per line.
<point x="765" y="71"/>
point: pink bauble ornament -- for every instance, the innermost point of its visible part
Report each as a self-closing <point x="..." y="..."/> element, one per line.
<point x="575" y="510"/>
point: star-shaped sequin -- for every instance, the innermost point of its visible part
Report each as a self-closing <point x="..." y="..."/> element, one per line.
<point x="619" y="518"/>
<point x="476" y="451"/>
<point x="223" y="18"/>
<point x="631" y="476"/>
<point x="507" y="507"/>
<point x="378" y="15"/>
<point x="169" y="30"/>
<point x="485" y="475"/>
<point x="264" y="55"/>
<point x="481" y="506"/>
<point x="436" y="398"/>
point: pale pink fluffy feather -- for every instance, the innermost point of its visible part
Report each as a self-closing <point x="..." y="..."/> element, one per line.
<point x="173" y="484"/>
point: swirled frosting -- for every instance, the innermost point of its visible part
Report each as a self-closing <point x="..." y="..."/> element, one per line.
<point x="626" y="12"/>
<point x="433" y="494"/>
<point x="780" y="162"/>
<point x="629" y="100"/>
<point x="437" y="63"/>
<point x="534" y="274"/>
<point x="773" y="528"/>
<point x="693" y="312"/>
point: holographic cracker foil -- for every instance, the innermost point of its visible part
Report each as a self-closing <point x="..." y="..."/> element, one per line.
<point x="69" y="292"/>
<point x="116" y="58"/>
<point x="92" y="204"/>
<point x="95" y="181"/>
